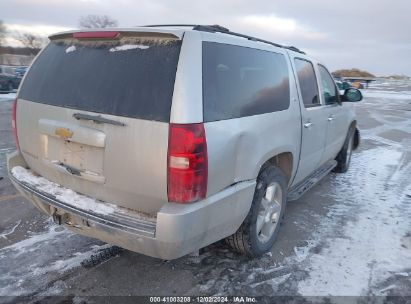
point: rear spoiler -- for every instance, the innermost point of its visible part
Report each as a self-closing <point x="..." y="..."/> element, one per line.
<point x="118" y="33"/>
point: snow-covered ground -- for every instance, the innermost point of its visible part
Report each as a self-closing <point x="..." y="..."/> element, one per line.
<point x="30" y="264"/>
<point x="374" y="202"/>
<point x="372" y="213"/>
<point x="402" y="95"/>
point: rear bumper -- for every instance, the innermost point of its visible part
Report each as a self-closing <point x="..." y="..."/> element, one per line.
<point x="175" y="231"/>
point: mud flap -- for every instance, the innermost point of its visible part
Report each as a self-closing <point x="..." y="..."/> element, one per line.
<point x="356" y="139"/>
<point x="57" y="218"/>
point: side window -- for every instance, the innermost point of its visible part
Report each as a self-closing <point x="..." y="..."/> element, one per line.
<point x="308" y="82"/>
<point x="240" y="81"/>
<point x="328" y="87"/>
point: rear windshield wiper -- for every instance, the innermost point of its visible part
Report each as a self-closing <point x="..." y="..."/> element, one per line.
<point x="97" y="119"/>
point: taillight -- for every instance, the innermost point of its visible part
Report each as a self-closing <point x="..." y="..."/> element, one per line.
<point x="187" y="163"/>
<point x="14" y="123"/>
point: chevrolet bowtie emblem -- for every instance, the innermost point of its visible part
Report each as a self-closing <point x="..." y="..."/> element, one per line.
<point x="63" y="133"/>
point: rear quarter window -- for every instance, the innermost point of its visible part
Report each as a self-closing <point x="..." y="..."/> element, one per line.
<point x="308" y="82"/>
<point x="240" y="81"/>
<point x="133" y="78"/>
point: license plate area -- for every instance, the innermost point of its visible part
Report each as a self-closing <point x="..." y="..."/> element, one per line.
<point x="76" y="155"/>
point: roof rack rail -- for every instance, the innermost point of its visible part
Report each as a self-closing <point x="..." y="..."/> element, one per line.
<point x="176" y="25"/>
<point x="293" y="48"/>
<point x="220" y="29"/>
<point x="211" y="28"/>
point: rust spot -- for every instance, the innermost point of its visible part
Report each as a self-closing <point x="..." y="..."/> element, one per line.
<point x="63" y="133"/>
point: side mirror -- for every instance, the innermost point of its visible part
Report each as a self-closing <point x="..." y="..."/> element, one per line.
<point x="351" y="95"/>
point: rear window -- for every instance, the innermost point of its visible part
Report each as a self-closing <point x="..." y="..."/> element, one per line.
<point x="134" y="78"/>
<point x="240" y="81"/>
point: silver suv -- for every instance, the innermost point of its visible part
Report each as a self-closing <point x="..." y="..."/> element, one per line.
<point x="165" y="139"/>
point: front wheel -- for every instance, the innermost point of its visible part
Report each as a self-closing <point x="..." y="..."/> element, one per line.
<point x="259" y="230"/>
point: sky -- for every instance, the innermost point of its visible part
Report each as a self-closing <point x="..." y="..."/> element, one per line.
<point x="372" y="35"/>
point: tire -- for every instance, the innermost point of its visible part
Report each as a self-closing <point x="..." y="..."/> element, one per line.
<point x="344" y="156"/>
<point x="269" y="204"/>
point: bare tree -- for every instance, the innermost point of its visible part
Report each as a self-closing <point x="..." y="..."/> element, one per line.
<point x="2" y="32"/>
<point x="31" y="41"/>
<point x="97" y="21"/>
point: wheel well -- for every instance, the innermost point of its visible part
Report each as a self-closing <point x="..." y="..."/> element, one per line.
<point x="284" y="161"/>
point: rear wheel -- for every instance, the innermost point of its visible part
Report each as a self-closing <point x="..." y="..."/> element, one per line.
<point x="344" y="156"/>
<point x="259" y="230"/>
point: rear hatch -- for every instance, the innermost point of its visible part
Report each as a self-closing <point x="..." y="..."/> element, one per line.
<point x="93" y="115"/>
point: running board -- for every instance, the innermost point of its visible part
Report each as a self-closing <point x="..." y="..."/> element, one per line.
<point x="298" y="190"/>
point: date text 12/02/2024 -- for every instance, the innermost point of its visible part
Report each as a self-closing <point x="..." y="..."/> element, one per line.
<point x="200" y="299"/>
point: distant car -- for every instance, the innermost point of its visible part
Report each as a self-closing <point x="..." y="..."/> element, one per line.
<point x="20" y="71"/>
<point x="343" y="85"/>
<point x="9" y="80"/>
<point x="357" y="85"/>
<point x="4" y="84"/>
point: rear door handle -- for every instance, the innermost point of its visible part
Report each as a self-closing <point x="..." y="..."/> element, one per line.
<point x="330" y="118"/>
<point x="308" y="125"/>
